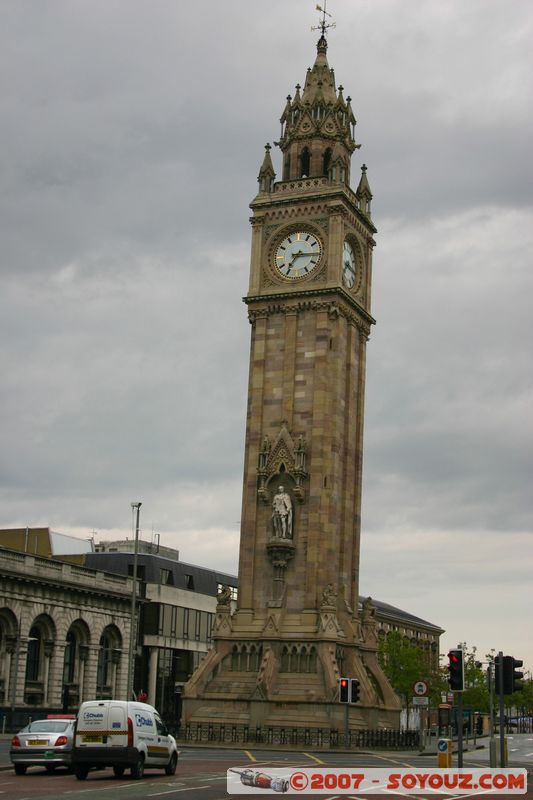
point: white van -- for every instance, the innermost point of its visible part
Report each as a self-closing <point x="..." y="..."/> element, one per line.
<point x="121" y="734"/>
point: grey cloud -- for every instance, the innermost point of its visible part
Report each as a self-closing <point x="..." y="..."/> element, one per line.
<point x="130" y="149"/>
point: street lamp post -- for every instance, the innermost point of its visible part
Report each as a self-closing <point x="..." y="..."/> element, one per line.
<point x="133" y="627"/>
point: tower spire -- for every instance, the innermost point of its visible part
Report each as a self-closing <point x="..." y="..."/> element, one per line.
<point x="318" y="124"/>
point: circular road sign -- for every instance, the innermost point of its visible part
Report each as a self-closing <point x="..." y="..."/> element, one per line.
<point x="420" y="689"/>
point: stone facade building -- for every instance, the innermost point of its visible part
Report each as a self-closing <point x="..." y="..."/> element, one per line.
<point x="64" y="633"/>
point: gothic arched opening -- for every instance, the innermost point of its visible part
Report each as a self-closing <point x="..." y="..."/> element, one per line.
<point x="305" y="163"/>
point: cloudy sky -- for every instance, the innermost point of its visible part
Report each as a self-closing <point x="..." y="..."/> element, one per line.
<point x="131" y="135"/>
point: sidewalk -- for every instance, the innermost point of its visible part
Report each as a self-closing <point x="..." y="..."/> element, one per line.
<point x="5" y="739"/>
<point x="468" y="745"/>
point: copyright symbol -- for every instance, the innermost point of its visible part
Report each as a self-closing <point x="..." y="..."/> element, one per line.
<point x="299" y="781"/>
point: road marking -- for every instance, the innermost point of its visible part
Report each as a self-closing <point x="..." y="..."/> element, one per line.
<point x="318" y="761"/>
<point x="250" y="756"/>
<point x="169" y="783"/>
<point x="271" y="761"/>
<point x="393" y="760"/>
<point x="100" y="789"/>
<point x="175" y="791"/>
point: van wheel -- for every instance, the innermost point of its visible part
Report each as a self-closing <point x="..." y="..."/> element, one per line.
<point x="118" y="771"/>
<point x="81" y="773"/>
<point x="170" y="768"/>
<point x="137" y="771"/>
<point x="20" y="769"/>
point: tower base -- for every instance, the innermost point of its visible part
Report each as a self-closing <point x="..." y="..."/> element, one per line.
<point x="288" y="677"/>
<point x="264" y="714"/>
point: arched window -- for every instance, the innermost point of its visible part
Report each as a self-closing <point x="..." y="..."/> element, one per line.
<point x="305" y="163"/>
<point x="255" y="658"/>
<point x="311" y="664"/>
<point x="326" y="161"/>
<point x="8" y="638"/>
<point x="235" y="659"/>
<point x="69" y="662"/>
<point x="298" y="658"/>
<point x="108" y="665"/>
<point x="33" y="660"/>
<point x="104" y="660"/>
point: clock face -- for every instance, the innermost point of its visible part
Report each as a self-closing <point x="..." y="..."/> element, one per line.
<point x="298" y="254"/>
<point x="349" y="265"/>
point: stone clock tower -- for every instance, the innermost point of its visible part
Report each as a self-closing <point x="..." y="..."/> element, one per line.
<point x="297" y="627"/>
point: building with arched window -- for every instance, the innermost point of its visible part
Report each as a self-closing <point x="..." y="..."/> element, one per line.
<point x="64" y="634"/>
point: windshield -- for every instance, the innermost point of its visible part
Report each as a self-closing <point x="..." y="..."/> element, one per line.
<point x="48" y="726"/>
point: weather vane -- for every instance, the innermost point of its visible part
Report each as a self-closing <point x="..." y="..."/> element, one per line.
<point x="323" y="24"/>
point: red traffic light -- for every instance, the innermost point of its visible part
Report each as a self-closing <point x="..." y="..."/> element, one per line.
<point x="456" y="674"/>
<point x="343" y="690"/>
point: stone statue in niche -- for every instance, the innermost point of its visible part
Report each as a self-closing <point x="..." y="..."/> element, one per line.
<point x="282" y="514"/>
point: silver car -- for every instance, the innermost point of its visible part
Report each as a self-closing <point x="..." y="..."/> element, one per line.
<point x="45" y="743"/>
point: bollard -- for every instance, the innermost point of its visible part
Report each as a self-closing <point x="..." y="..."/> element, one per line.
<point x="492" y="753"/>
<point x="444" y="750"/>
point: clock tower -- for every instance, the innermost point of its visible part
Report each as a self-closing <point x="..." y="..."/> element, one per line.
<point x="298" y="625"/>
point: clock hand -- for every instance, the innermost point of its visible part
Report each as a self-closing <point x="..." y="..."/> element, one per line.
<point x="296" y="255"/>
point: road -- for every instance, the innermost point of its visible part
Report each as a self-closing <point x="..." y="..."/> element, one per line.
<point x="201" y="773"/>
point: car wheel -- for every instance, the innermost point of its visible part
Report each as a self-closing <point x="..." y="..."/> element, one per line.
<point x="81" y="773"/>
<point x="170" y="768"/>
<point x="118" y="771"/>
<point x="20" y="769"/>
<point x="137" y="771"/>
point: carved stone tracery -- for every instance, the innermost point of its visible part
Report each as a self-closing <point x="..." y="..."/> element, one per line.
<point x="282" y="457"/>
<point x="334" y="307"/>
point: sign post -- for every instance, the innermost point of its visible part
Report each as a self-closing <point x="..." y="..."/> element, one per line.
<point x="420" y="699"/>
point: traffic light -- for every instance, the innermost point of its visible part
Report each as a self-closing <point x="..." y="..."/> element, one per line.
<point x="497" y="674"/>
<point x="456" y="668"/>
<point x="517" y="675"/>
<point x="354" y="690"/>
<point x="344" y="690"/>
<point x="511" y="677"/>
